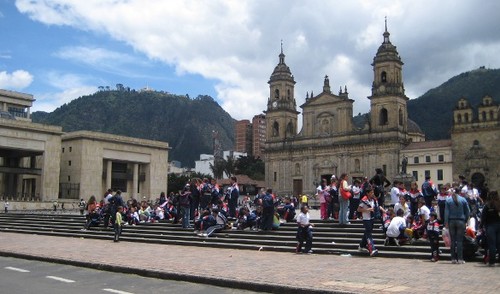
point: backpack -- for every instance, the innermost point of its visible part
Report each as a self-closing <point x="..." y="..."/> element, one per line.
<point x="184" y="199"/>
<point x="267" y="201"/>
<point x="427" y="190"/>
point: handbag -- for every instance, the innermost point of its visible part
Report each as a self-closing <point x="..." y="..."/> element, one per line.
<point x="344" y="193"/>
<point x="446" y="237"/>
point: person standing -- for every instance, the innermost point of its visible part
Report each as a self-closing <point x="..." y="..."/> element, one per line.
<point x="345" y="195"/>
<point x="379" y="183"/>
<point x="82" y="206"/>
<point x="267" y="211"/>
<point x="185" y="205"/>
<point x="490" y="221"/>
<point x="234" y="195"/>
<point x="6" y="205"/>
<point x="456" y="215"/>
<point x="367" y="207"/>
<point x="428" y="191"/>
<point x="322" y="190"/>
<point x="118" y="223"/>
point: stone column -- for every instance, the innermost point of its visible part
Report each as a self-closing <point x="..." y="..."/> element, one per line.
<point x="135" y="181"/>
<point x="109" y="174"/>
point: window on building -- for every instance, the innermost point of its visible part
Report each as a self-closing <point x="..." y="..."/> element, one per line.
<point x="69" y="162"/>
<point x="400" y="117"/>
<point x="384" y="119"/>
<point x="440" y="157"/>
<point x="276" y="93"/>
<point x="63" y="150"/>
<point x="69" y="178"/>
<point x="439" y="174"/>
<point x="383" y="77"/>
<point x="416" y="159"/>
<point x="275" y="176"/>
<point x="70" y="149"/>
<point x="427" y="158"/>
<point x="427" y="173"/>
<point x="415" y="175"/>
<point x="384" y="168"/>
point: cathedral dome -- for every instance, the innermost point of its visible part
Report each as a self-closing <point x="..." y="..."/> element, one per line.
<point x="413" y="127"/>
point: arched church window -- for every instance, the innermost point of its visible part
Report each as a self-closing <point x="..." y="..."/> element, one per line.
<point x="459" y="118"/>
<point x="276" y="129"/>
<point x="357" y="165"/>
<point x="483" y="116"/>
<point x="466" y="117"/>
<point x="400" y="117"/>
<point x="384" y="119"/>
<point x="288" y="96"/>
<point x="383" y="77"/>
<point x="289" y="129"/>
<point x="297" y="169"/>
<point x="276" y="93"/>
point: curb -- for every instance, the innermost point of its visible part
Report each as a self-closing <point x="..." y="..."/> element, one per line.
<point x="214" y="281"/>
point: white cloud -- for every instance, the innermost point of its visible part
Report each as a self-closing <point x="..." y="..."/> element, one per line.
<point x="237" y="42"/>
<point x="16" y="80"/>
<point x="103" y="59"/>
<point x="68" y="87"/>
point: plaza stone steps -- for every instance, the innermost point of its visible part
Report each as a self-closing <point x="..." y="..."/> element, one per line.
<point x="329" y="238"/>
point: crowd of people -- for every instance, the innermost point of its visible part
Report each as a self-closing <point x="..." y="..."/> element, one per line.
<point x="458" y="213"/>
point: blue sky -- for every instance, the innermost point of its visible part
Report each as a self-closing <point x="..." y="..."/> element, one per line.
<point x="59" y="50"/>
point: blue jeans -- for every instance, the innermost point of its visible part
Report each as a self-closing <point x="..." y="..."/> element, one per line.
<point x="493" y="234"/>
<point x="344" y="205"/>
<point x="367" y="241"/>
<point x="185" y="212"/>
<point x="457" y="232"/>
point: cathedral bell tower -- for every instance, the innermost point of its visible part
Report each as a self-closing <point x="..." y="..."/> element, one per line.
<point x="281" y="113"/>
<point x="388" y="99"/>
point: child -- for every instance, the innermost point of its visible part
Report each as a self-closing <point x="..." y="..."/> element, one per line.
<point x="304" y="231"/>
<point x="118" y="223"/>
<point x="396" y="230"/>
<point x="433" y="236"/>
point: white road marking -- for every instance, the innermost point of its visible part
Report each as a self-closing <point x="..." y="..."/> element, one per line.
<point x="17" y="269"/>
<point x="60" y="279"/>
<point x="116" y="291"/>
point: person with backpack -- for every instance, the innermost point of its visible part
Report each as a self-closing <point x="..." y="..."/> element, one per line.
<point x="428" y="191"/>
<point x="267" y="211"/>
<point x="185" y="204"/>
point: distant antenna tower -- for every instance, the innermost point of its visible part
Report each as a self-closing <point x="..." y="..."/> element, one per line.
<point x="217" y="145"/>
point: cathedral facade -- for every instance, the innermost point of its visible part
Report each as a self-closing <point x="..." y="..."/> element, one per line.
<point x="329" y="143"/>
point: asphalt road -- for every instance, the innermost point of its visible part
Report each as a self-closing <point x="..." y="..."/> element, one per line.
<point x="19" y="276"/>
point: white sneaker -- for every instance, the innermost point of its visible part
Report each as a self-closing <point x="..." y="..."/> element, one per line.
<point x="374" y="252"/>
<point x="461" y="261"/>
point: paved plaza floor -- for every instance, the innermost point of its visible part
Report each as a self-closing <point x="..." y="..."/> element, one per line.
<point x="259" y="270"/>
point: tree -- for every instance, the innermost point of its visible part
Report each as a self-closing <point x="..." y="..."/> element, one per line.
<point x="218" y="168"/>
<point x="250" y="166"/>
<point x="229" y="166"/>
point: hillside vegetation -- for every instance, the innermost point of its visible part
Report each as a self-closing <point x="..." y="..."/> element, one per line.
<point x="186" y="124"/>
<point x="433" y="111"/>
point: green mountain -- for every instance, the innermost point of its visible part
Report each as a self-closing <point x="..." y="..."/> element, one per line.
<point x="186" y="124"/>
<point x="433" y="111"/>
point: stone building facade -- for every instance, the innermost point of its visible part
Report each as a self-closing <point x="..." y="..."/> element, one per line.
<point x="329" y="142"/>
<point x="93" y="162"/>
<point x="475" y="141"/>
<point x="29" y="152"/>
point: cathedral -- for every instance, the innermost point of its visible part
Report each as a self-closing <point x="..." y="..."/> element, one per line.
<point x="329" y="142"/>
